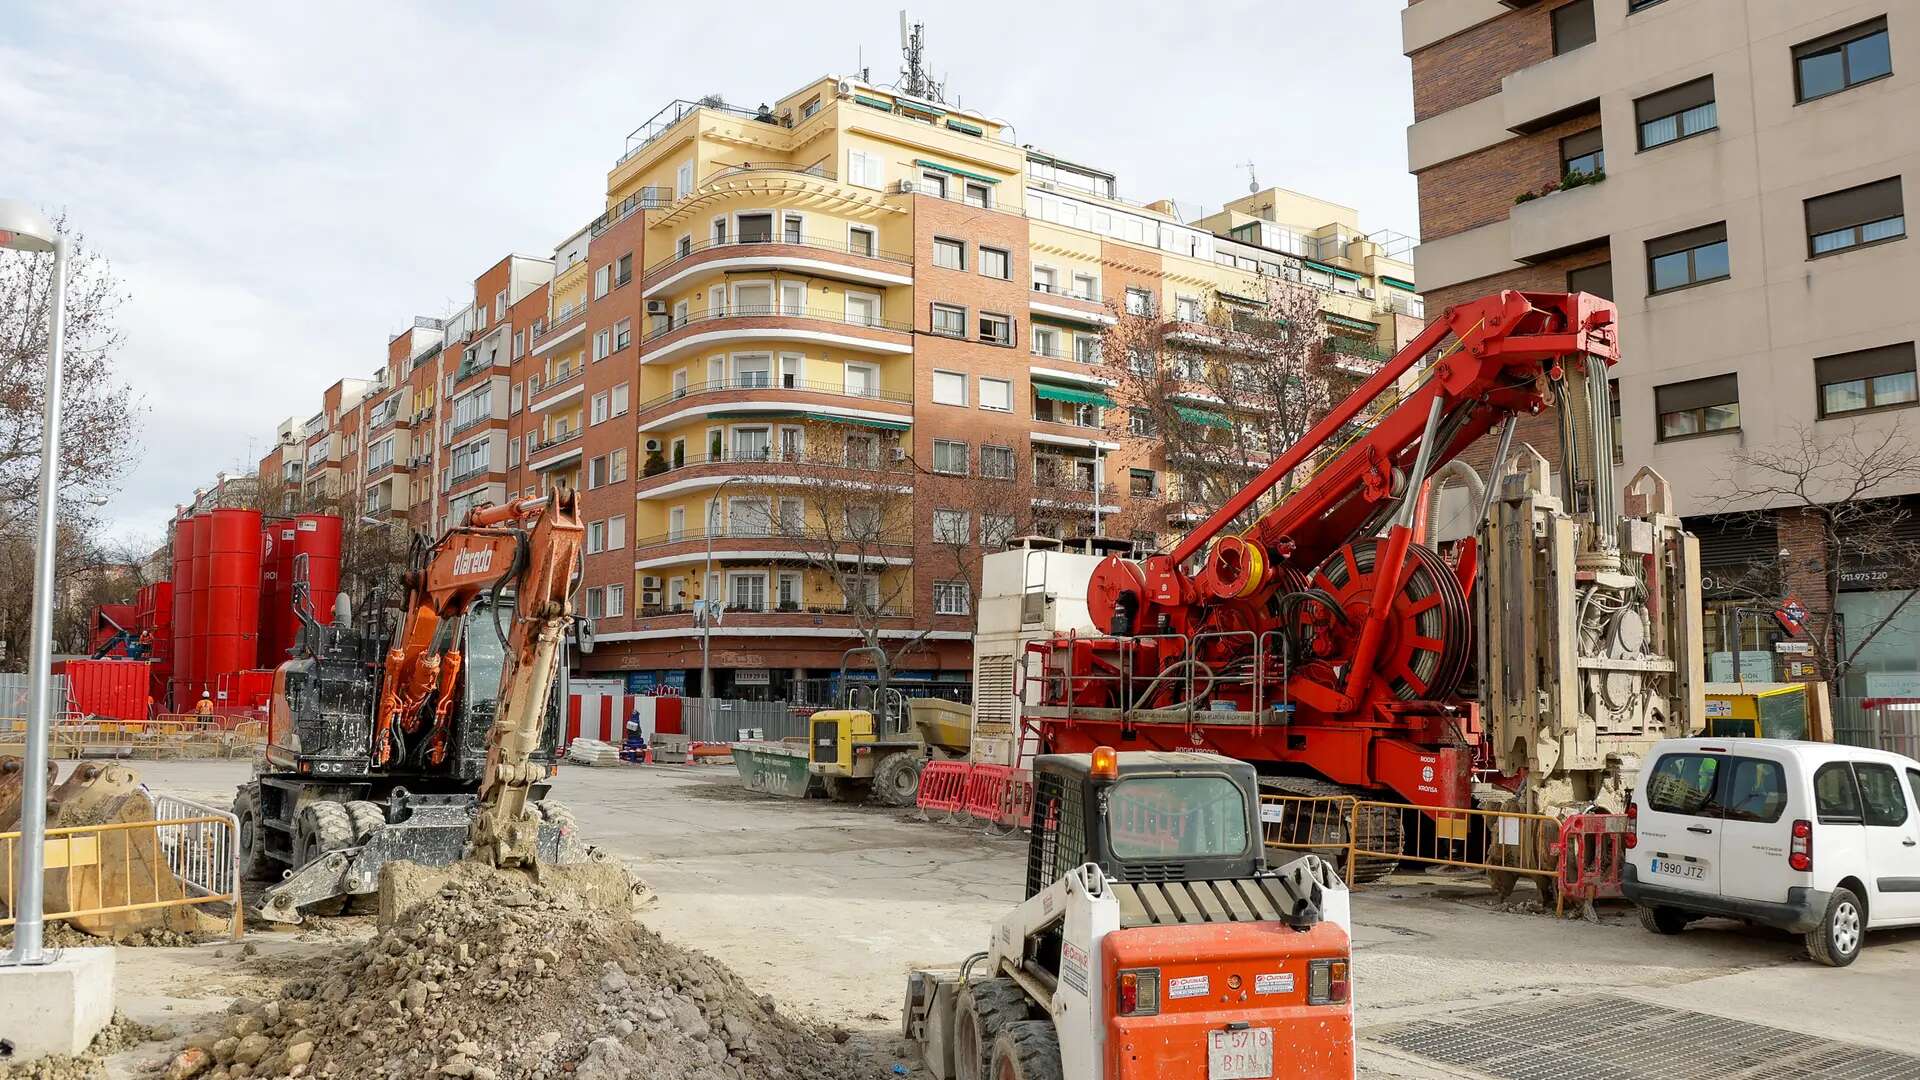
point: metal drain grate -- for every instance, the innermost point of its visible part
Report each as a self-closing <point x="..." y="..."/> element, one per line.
<point x="1615" y="1038"/>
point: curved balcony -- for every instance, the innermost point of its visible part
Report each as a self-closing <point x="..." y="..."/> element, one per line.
<point x="818" y="256"/>
<point x="765" y="544"/>
<point x="788" y="394"/>
<point x="1057" y="302"/>
<point x="775" y="323"/>
<point x="710" y="470"/>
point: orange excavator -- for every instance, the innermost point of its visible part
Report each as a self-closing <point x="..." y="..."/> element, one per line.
<point x="431" y="743"/>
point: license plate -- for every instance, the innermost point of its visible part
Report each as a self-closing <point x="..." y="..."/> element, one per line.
<point x="1246" y="1054"/>
<point x="1690" y="871"/>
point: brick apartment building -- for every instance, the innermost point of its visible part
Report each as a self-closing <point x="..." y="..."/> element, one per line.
<point x="780" y="308"/>
<point x="1731" y="173"/>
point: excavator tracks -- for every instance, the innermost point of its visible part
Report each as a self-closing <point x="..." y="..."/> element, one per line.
<point x="1326" y="835"/>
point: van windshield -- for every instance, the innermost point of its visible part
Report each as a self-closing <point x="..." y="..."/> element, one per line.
<point x="1175" y="817"/>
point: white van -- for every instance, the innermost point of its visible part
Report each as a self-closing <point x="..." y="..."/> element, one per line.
<point x="1812" y="838"/>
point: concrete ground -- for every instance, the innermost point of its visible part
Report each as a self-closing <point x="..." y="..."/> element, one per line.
<point x="827" y="907"/>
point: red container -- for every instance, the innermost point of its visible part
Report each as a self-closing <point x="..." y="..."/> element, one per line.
<point x="183" y="537"/>
<point x="197" y="680"/>
<point x="277" y="624"/>
<point x="109" y="620"/>
<point x="116" y="689"/>
<point x="318" y="538"/>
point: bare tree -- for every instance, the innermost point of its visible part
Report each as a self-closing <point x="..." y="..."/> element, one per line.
<point x="99" y="413"/>
<point x="1219" y="392"/>
<point x="976" y="507"/>
<point x="1842" y="485"/>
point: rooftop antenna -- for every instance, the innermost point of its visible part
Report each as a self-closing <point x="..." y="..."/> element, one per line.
<point x="1253" y="182"/>
<point x="914" y="79"/>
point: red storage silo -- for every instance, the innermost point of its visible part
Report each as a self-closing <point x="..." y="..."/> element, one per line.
<point x="230" y="593"/>
<point x="277" y="624"/>
<point x="182" y="614"/>
<point x="197" y="681"/>
<point x="318" y="538"/>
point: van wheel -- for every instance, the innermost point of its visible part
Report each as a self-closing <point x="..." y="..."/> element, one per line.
<point x="1836" y="941"/>
<point x="1663" y="920"/>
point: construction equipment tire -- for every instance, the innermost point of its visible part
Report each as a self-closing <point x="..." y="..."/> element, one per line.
<point x="320" y="827"/>
<point x="896" y="780"/>
<point x="255" y="864"/>
<point x="365" y="817"/>
<point x="984" y="1009"/>
<point x="847" y="789"/>
<point x="1028" y="1050"/>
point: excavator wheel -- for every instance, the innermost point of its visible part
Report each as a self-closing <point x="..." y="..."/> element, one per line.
<point x="320" y="827"/>
<point x="985" y="1008"/>
<point x="254" y="861"/>
<point x="1028" y="1050"/>
<point x="896" y="780"/>
<point x="366" y="817"/>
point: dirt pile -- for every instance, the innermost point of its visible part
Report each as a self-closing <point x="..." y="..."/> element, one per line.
<point x="63" y="935"/>
<point x="497" y="978"/>
<point x="120" y="1034"/>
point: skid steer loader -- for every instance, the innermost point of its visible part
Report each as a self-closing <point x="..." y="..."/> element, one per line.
<point x="1154" y="941"/>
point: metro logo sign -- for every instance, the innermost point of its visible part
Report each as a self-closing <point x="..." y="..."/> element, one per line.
<point x="1791" y="615"/>
<point x="472" y="562"/>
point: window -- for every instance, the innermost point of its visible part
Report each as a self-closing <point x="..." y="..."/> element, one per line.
<point x="1139" y="302"/>
<point x="1572" y="26"/>
<point x="1880" y="793"/>
<point x="995" y="263"/>
<point x="1140" y="423"/>
<point x="1753" y="790"/>
<point x="514" y="398"/>
<point x="949" y="254"/>
<point x="977" y="194"/>
<point x="1086" y="287"/>
<point x="616" y="601"/>
<point x="1682" y="783"/>
<point x="1046" y="342"/>
<point x="747" y="592"/>
<point x="1690" y="258"/>
<point x="597" y="414"/>
<point x="1913" y="782"/>
<point x="1671" y="115"/>
<point x="1843" y="59"/>
<point x="1869" y="214"/>
<point x="597" y="472"/>
<point x="862" y="380"/>
<point x="622" y="334"/>
<point x="685" y="246"/>
<point x="996" y="463"/>
<point x="1210" y="809"/>
<point x="1868" y="379"/>
<point x="950" y="597"/>
<point x="1140" y="483"/>
<point x="1641" y="5"/>
<point x="860" y="240"/>
<point x="1186" y="309"/>
<point x="756" y="228"/>
<point x="996" y="395"/>
<point x="790" y="228"/>
<point x="596" y="603"/>
<point x="600" y="280"/>
<point x="952" y="526"/>
<point x="949" y="388"/>
<point x="602" y="345"/>
<point x="996" y="329"/>
<point x="623" y="269"/>
<point x="617" y="466"/>
<point x="1086" y="348"/>
<point x="812" y="106"/>
<point x="790" y="592"/>
<point x="862" y="522"/>
<point x="996" y="529"/>
<point x="620" y="400"/>
<point x="753" y="372"/>
<point x="860" y="592"/>
<point x="750" y="516"/>
<point x="792" y="518"/>
<point x="519" y="340"/>
<point x="865" y="169"/>
<point x="752" y="444"/>
<point x="1835" y="796"/>
<point x="719" y="231"/>
<point x="950" y="457"/>
<point x="676" y="523"/>
<point x="948" y="320"/>
<point x="863" y="309"/>
<point x="1699" y="407"/>
<point x="1596" y="279"/>
<point x="1583" y="153"/>
<point x="596" y="537"/>
<point x="513" y="452"/>
<point x="683" y="180"/>
<point x="1046" y="279"/>
<point x="934" y="184"/>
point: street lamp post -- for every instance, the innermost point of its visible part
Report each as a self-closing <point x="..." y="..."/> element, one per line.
<point x="23" y="229"/>
<point x="706" y="600"/>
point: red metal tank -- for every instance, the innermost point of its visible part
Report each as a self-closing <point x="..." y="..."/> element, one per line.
<point x="197" y="681"/>
<point x="279" y="563"/>
<point x="269" y="592"/>
<point x="230" y="594"/>
<point x="318" y="538"/>
<point x="182" y="614"/>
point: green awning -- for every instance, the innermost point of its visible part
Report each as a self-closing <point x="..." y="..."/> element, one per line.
<point x="1397" y="283"/>
<point x="1352" y="324"/>
<point x="873" y="103"/>
<point x="1202" y="416"/>
<point x="853" y="421"/>
<point x="1071" y="396"/>
<point x="914" y="106"/>
<point x="925" y="164"/>
<point x="965" y="128"/>
<point x="1334" y="270"/>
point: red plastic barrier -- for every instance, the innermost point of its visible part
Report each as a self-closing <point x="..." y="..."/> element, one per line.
<point x="943" y="785"/>
<point x="987" y="790"/>
<point x="1016" y="809"/>
<point x="1591" y="849"/>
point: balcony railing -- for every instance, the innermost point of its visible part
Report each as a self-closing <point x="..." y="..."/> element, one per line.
<point x="774" y="455"/>
<point x="552" y="441"/>
<point x="470" y="423"/>
<point x="1064" y="292"/>
<point x="459" y="478"/>
<point x="818" y="243"/>
<point x="765" y="311"/>
<point x="650" y="611"/>
<point x="1079" y="484"/>
<point x="800" y="386"/>
<point x="677" y="110"/>
<point x="843" y="541"/>
<point x="652" y="197"/>
<point x="553" y="329"/>
<point x="818" y="168"/>
<point x="571" y="375"/>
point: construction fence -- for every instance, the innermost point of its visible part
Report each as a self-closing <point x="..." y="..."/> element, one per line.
<point x="731" y="720"/>
<point x="174" y="736"/>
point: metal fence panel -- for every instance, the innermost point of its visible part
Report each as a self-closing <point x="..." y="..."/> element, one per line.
<point x="729" y="719"/>
<point x="13" y="696"/>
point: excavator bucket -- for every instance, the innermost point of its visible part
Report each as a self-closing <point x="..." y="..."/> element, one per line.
<point x="112" y="868"/>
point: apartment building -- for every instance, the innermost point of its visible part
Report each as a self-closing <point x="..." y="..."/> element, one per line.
<point x="814" y="359"/>
<point x="1732" y="174"/>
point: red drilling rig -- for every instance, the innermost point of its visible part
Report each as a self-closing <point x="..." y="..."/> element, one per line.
<point x="1318" y="634"/>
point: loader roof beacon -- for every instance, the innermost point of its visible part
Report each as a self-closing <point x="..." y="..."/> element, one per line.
<point x="1153" y="942"/>
<point x="435" y="741"/>
<point x="1309" y="626"/>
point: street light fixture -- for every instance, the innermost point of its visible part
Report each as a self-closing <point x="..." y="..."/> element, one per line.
<point x="24" y="229"/>
<point x="706" y="601"/>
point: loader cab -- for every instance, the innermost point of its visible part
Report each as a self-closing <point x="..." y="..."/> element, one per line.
<point x="1144" y="816"/>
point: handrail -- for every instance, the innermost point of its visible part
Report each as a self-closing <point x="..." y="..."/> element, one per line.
<point x="777" y="239"/>
<point x="774" y="455"/>
<point x="714" y="386"/>
<point x="760" y="311"/>
<point x="556" y="440"/>
<point x="806" y="537"/>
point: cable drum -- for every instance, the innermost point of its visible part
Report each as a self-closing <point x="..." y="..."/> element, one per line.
<point x="1428" y="637"/>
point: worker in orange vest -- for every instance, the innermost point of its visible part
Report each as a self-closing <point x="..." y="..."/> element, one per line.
<point x="203" y="707"/>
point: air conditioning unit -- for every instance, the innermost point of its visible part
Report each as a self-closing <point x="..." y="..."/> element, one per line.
<point x="905" y="187"/>
<point x="656" y="307"/>
<point x="653" y="446"/>
<point x="899" y="453"/>
<point x="1366" y="292"/>
<point x="843" y="88"/>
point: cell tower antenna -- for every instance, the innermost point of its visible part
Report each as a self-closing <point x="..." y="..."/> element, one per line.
<point x="914" y="79"/>
<point x="1253" y="181"/>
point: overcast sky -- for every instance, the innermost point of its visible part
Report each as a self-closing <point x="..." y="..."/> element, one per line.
<point x="281" y="187"/>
